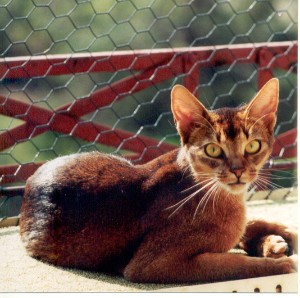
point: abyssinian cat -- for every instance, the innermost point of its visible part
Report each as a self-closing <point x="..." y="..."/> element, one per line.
<point x="173" y="219"/>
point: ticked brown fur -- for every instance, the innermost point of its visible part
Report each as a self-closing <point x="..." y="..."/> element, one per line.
<point x="173" y="219"/>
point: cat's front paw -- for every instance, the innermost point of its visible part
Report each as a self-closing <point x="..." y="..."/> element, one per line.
<point x="272" y="246"/>
<point x="263" y="239"/>
<point x="276" y="246"/>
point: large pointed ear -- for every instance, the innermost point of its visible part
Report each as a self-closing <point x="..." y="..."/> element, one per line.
<point x="187" y="111"/>
<point x="264" y="105"/>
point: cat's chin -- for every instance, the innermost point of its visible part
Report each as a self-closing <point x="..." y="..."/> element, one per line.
<point x="237" y="188"/>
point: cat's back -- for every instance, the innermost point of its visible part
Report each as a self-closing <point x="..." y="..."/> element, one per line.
<point x="80" y="181"/>
<point x="79" y="168"/>
<point x="73" y="200"/>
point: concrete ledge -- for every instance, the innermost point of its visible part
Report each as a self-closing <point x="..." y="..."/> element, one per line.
<point x="287" y="283"/>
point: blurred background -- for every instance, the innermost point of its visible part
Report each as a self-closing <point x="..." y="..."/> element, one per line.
<point x="33" y="27"/>
<point x="43" y="27"/>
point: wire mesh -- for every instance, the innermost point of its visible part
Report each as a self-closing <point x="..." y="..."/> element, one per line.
<point x="34" y="28"/>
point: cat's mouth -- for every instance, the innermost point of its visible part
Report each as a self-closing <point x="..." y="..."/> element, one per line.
<point x="237" y="183"/>
<point x="237" y="187"/>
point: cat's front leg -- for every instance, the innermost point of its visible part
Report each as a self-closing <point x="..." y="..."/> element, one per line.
<point x="265" y="239"/>
<point x="207" y="267"/>
<point x="158" y="264"/>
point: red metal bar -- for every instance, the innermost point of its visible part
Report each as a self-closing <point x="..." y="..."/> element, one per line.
<point x="63" y="123"/>
<point x="154" y="66"/>
<point x="122" y="88"/>
<point x="17" y="173"/>
<point x="192" y="71"/>
<point x="15" y="135"/>
<point x="269" y="58"/>
<point x="285" y="145"/>
<point x="37" y="66"/>
<point x="265" y="72"/>
<point x="49" y="65"/>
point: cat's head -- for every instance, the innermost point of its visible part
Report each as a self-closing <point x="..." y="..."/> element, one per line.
<point x="228" y="145"/>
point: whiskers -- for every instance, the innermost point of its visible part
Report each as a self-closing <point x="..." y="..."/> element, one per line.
<point x="212" y="194"/>
<point x="263" y="182"/>
<point x="212" y="188"/>
<point x="265" y="179"/>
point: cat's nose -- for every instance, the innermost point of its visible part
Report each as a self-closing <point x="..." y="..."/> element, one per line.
<point x="237" y="171"/>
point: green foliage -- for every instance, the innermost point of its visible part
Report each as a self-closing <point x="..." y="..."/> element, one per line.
<point x="31" y="27"/>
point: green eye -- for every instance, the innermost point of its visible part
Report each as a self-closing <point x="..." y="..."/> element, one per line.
<point x="253" y="147"/>
<point x="213" y="150"/>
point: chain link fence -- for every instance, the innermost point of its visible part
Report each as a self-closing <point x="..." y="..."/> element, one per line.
<point x="109" y="66"/>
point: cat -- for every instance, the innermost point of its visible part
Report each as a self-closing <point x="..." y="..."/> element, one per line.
<point x="173" y="219"/>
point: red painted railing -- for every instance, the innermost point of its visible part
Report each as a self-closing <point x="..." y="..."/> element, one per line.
<point x="149" y="67"/>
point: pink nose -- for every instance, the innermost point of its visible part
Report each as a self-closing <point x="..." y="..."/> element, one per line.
<point x="238" y="172"/>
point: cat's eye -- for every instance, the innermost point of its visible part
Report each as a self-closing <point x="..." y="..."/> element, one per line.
<point x="253" y="147"/>
<point x="213" y="150"/>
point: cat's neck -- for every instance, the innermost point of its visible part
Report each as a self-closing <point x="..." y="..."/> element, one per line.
<point x="171" y="186"/>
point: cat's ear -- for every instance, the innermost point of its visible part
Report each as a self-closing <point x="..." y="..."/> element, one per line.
<point x="187" y="111"/>
<point x="264" y="105"/>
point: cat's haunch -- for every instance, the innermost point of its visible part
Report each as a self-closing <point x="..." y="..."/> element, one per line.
<point x="173" y="219"/>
